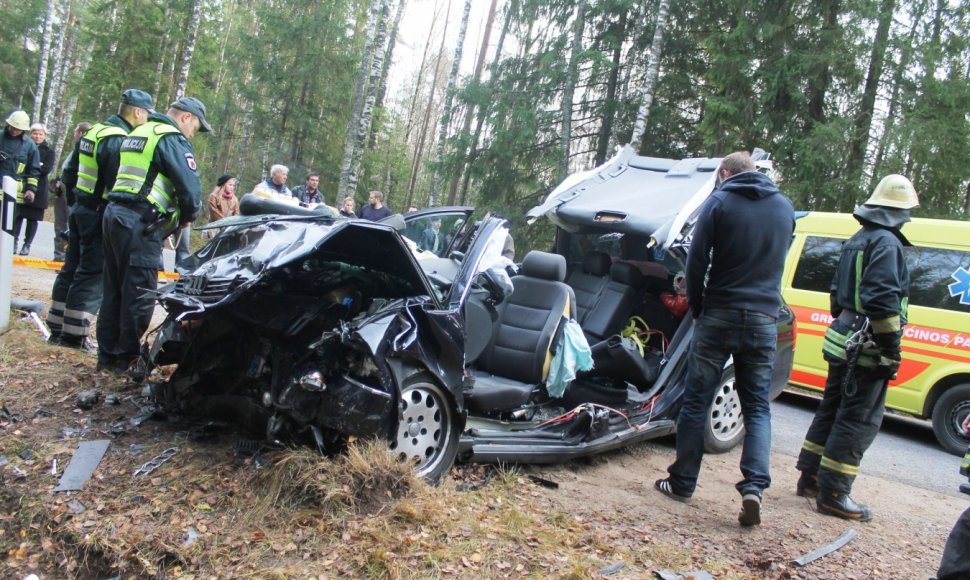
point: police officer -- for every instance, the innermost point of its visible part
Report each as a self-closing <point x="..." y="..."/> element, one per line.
<point x="157" y="190"/>
<point x="19" y="157"/>
<point x="862" y="346"/>
<point x="89" y="174"/>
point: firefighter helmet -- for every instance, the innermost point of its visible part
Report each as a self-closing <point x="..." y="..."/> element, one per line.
<point x="19" y="120"/>
<point x="894" y="191"/>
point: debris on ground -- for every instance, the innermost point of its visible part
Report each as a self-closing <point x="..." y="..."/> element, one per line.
<point x="155" y="462"/>
<point x="88" y="399"/>
<point x="85" y="460"/>
<point x="827" y="549"/>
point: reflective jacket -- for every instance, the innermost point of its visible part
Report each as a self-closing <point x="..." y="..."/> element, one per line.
<point x="92" y="171"/>
<point x="21" y="161"/>
<point x="157" y="165"/>
<point x="871" y="280"/>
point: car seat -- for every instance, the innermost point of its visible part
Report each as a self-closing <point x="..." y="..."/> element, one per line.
<point x="517" y="357"/>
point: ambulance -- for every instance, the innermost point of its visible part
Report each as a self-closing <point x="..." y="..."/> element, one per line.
<point x="933" y="381"/>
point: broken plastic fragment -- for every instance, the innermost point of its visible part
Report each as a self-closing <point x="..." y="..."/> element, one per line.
<point x="82" y="465"/>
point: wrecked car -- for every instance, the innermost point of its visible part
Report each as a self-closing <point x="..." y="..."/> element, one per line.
<point x="323" y="329"/>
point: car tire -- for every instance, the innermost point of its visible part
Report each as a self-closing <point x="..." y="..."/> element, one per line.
<point x="725" y="429"/>
<point x="948" y="413"/>
<point x="428" y="430"/>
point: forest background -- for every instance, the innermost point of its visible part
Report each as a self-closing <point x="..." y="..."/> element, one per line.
<point x="840" y="92"/>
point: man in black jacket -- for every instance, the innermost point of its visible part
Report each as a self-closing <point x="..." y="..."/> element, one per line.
<point x="734" y="267"/>
<point x="862" y="346"/>
<point x="19" y="159"/>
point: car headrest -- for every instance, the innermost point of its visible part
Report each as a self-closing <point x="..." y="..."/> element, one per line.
<point x="544" y="265"/>
<point x="626" y="274"/>
<point x="597" y="263"/>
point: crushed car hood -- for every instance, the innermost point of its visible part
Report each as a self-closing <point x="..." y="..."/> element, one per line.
<point x="632" y="194"/>
<point x="252" y="247"/>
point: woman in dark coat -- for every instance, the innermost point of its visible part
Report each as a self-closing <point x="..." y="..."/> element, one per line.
<point x="33" y="210"/>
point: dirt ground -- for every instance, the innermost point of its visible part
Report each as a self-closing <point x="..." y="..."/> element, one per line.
<point x="611" y="496"/>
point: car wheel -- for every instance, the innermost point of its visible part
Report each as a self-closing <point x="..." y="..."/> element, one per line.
<point x="949" y="412"/>
<point x="725" y="430"/>
<point x="428" y="430"/>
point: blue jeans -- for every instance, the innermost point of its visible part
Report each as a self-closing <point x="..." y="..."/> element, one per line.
<point x="751" y="338"/>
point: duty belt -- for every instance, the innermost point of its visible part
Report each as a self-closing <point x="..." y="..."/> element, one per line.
<point x="851" y="319"/>
<point x="90" y="202"/>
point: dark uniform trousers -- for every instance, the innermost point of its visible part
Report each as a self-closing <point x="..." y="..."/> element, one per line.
<point x="130" y="267"/>
<point x="61" y="214"/>
<point x="77" y="291"/>
<point x="844" y="427"/>
<point x="955" y="563"/>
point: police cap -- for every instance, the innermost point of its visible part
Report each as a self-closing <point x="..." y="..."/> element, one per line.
<point x="194" y="106"/>
<point x="137" y="98"/>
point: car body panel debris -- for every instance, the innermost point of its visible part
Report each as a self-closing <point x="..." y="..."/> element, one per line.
<point x="83" y="463"/>
<point x="695" y="575"/>
<point x="827" y="549"/>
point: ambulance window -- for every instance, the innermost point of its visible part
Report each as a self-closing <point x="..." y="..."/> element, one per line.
<point x="817" y="264"/>
<point x="931" y="275"/>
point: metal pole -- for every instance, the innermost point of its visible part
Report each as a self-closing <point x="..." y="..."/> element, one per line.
<point x="6" y="249"/>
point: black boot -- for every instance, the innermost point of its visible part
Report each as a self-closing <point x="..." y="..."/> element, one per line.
<point x="841" y="505"/>
<point x="807" y="485"/>
<point x="965" y="488"/>
<point x="24" y="251"/>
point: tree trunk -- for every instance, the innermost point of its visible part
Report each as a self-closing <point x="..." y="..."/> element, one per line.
<point x="906" y="49"/>
<point x="382" y="83"/>
<point x="483" y="110"/>
<point x="348" y="178"/>
<point x="446" y="109"/>
<point x="421" y="69"/>
<point x="569" y="89"/>
<point x="64" y="9"/>
<point x="45" y="51"/>
<point x="650" y="77"/>
<point x="376" y="68"/>
<point x="863" y="119"/>
<point x="416" y="165"/>
<point x="479" y="67"/>
<point x="189" y="49"/>
<point x="609" y="104"/>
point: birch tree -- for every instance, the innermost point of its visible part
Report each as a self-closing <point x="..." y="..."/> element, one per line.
<point x="189" y="49"/>
<point x="348" y="174"/>
<point x="45" y="50"/>
<point x="376" y="68"/>
<point x="650" y="78"/>
<point x="447" y="108"/>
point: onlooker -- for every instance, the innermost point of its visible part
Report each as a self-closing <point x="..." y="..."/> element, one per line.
<point x="222" y="202"/>
<point x="32" y="210"/>
<point x="734" y="296"/>
<point x="276" y="183"/>
<point x="20" y="159"/>
<point x="308" y="193"/>
<point x="412" y="208"/>
<point x="157" y="190"/>
<point x="431" y="239"/>
<point x="63" y="200"/>
<point x="869" y="294"/>
<point x="375" y="210"/>
<point x="347" y="208"/>
<point x="88" y="176"/>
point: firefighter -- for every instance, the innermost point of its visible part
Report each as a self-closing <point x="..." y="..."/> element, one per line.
<point x="157" y="190"/>
<point x="19" y="158"/>
<point x="89" y="175"/>
<point x="862" y="346"/>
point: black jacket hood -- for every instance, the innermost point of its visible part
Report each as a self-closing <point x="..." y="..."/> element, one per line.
<point x="751" y="184"/>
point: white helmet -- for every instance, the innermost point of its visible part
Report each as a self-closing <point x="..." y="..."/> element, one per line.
<point x="894" y="191"/>
<point x="19" y="120"/>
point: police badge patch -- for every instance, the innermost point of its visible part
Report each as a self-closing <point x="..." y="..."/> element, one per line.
<point x="190" y="161"/>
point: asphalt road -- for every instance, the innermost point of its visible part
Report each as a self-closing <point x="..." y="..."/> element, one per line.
<point x="905" y="449"/>
<point x="43" y="246"/>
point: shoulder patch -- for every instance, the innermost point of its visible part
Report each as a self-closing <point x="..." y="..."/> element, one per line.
<point x="190" y="161"/>
<point x="134" y="144"/>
